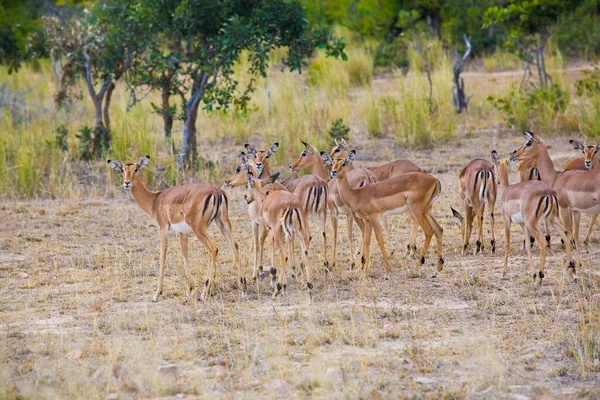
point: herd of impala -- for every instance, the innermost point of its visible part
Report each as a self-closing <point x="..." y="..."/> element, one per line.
<point x="367" y="196"/>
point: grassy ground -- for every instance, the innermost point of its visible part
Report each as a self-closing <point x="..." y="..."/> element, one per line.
<point x="78" y="275"/>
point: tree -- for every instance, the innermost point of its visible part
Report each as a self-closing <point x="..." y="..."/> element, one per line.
<point x="97" y="46"/>
<point x="204" y="39"/>
<point x="530" y="23"/>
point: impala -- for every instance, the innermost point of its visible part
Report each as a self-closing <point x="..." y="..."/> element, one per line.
<point x="183" y="209"/>
<point x="578" y="191"/>
<point x="383" y="172"/>
<point x="281" y="214"/>
<point x="414" y="192"/>
<point x="239" y="177"/>
<point x="477" y="186"/>
<point x="311" y="160"/>
<point x="261" y="158"/>
<point x="527" y="202"/>
<point x="588" y="161"/>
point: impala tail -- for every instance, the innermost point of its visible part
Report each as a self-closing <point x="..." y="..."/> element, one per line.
<point x="547" y="205"/>
<point x="436" y="192"/>
<point x="316" y="199"/>
<point x="213" y="204"/>
<point x="291" y="221"/>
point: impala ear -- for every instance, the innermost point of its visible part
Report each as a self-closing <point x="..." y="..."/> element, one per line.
<point x="597" y="148"/>
<point x="251" y="180"/>
<point x="272" y="149"/>
<point x="495" y="158"/>
<point x="326" y="158"/>
<point x="576" y="145"/>
<point x="244" y="158"/>
<point x="336" y="142"/>
<point x="250" y="149"/>
<point x="142" y="162"/>
<point x="457" y="215"/>
<point x="350" y="157"/>
<point x="270" y="179"/>
<point x="114" y="164"/>
<point x="344" y="143"/>
<point x="529" y="135"/>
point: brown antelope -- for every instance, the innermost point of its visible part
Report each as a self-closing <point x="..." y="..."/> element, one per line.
<point x="477" y="186"/>
<point x="261" y="158"/>
<point x="312" y="161"/>
<point x="588" y="161"/>
<point x="578" y="191"/>
<point x="239" y="177"/>
<point x="312" y="191"/>
<point x="383" y="172"/>
<point x="414" y="192"/>
<point x="282" y="215"/>
<point x="527" y="202"/>
<point x="183" y="209"/>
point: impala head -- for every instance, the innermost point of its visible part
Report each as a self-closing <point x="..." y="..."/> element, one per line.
<point x="499" y="165"/>
<point x="306" y="159"/>
<point x="589" y="152"/>
<point x="340" y="150"/>
<point x="530" y="150"/>
<point x="258" y="187"/>
<point x="239" y="175"/>
<point x="261" y="157"/>
<point x="338" y="168"/>
<point x="129" y="170"/>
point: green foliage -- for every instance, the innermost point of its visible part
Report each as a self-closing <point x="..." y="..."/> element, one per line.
<point x="88" y="139"/>
<point x="339" y="130"/>
<point x="60" y="138"/>
<point x="588" y="89"/>
<point x="527" y="110"/>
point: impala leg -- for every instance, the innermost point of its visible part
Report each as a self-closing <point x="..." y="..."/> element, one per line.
<point x="492" y="222"/>
<point x="183" y="243"/>
<point x="439" y="234"/>
<point x="534" y="231"/>
<point x="529" y="257"/>
<point x="586" y="241"/>
<point x="273" y="269"/>
<point x="565" y="237"/>
<point x="386" y="226"/>
<point x="263" y="237"/>
<point x="576" y="224"/>
<point x="379" y="237"/>
<point x="202" y="236"/>
<point x="468" y="226"/>
<point x="547" y="230"/>
<point x="349" y="233"/>
<point x="428" y="230"/>
<point x="255" y="245"/>
<point x="567" y="221"/>
<point x="282" y="261"/>
<point x="323" y="223"/>
<point x="361" y="225"/>
<point x="225" y="228"/>
<point x="506" y="245"/>
<point x="412" y="241"/>
<point x="479" y="221"/>
<point x="334" y="224"/>
<point x="309" y="284"/>
<point x="366" y="245"/>
<point x="164" y="244"/>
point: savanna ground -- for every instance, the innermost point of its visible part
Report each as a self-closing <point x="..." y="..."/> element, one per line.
<point x="79" y="268"/>
<point x="91" y="267"/>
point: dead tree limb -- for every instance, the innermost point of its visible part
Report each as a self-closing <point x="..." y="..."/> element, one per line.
<point x="460" y="101"/>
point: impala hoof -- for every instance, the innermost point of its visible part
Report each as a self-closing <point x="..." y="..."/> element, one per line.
<point x="154" y="299"/>
<point x="262" y="276"/>
<point x="575" y="278"/>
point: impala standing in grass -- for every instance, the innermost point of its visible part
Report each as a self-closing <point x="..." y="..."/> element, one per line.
<point x="183" y="209"/>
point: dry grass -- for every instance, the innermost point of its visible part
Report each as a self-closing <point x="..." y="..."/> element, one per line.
<point x="92" y="265"/>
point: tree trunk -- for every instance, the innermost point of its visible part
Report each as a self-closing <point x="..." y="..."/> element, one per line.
<point x="167" y="117"/>
<point x="105" y="112"/>
<point x="189" y="146"/>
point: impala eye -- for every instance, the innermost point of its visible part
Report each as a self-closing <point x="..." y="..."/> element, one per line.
<point x="336" y="150"/>
<point x="303" y="154"/>
<point x="528" y="143"/>
<point x="238" y="169"/>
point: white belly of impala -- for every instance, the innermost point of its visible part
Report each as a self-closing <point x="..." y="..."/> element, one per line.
<point x="517" y="218"/>
<point x="592" y="210"/>
<point x="181" y="227"/>
<point x="396" y="211"/>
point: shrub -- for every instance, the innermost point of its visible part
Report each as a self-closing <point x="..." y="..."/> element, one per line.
<point x="339" y="130"/>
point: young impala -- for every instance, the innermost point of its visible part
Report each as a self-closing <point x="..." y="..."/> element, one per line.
<point x="527" y="202"/>
<point x="477" y="186"/>
<point x="414" y="192"/>
<point x="578" y="191"/>
<point x="183" y="209"/>
<point x="281" y="214"/>
<point x="261" y="158"/>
